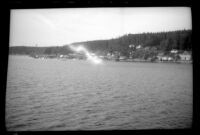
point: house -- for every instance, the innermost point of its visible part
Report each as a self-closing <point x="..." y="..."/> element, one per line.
<point x="122" y="57"/>
<point x="186" y="56"/>
<point x="163" y="57"/>
<point x="174" y="51"/>
<point x="169" y="58"/>
<point x="131" y="46"/>
<point x="138" y="47"/>
<point x="113" y="56"/>
<point x="160" y="56"/>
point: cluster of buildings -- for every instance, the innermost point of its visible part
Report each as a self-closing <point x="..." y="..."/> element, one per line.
<point x="59" y="56"/>
<point x="175" y="55"/>
<point x="158" y="56"/>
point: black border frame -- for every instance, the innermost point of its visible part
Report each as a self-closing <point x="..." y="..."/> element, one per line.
<point x="25" y="4"/>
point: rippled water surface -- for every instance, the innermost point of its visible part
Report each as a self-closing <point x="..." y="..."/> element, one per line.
<point x="51" y="94"/>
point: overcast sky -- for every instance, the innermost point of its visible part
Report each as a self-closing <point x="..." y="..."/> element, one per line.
<point x="56" y="27"/>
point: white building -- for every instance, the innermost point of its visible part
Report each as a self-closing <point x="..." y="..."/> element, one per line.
<point x="170" y="58"/>
<point x="131" y="46"/>
<point x="138" y="47"/>
<point x="122" y="57"/>
<point x="185" y="56"/>
<point x="174" y="51"/>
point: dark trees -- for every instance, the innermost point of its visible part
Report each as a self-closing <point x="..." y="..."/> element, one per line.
<point x="163" y="41"/>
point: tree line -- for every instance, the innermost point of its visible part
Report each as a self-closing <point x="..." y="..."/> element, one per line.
<point x="162" y="41"/>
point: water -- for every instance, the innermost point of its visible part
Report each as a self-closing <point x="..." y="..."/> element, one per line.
<point x="51" y="94"/>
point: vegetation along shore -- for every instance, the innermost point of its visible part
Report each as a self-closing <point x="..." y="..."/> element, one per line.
<point x="172" y="46"/>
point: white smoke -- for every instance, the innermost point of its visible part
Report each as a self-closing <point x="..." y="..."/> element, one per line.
<point x="91" y="57"/>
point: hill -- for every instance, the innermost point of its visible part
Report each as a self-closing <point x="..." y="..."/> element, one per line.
<point x="162" y="41"/>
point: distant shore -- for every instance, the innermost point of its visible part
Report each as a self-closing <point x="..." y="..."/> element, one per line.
<point x="124" y="60"/>
<point x="157" y="61"/>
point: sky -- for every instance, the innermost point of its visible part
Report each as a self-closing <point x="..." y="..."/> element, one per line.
<point x="58" y="27"/>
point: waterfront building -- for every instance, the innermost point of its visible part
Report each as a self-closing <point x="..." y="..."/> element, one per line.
<point x="174" y="51"/>
<point x="185" y="56"/>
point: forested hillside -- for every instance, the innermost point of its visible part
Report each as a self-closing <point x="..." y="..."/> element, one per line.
<point x="163" y="41"/>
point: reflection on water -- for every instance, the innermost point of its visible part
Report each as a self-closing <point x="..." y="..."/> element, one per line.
<point x="51" y="94"/>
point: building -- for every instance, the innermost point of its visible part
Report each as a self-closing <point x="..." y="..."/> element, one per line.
<point x="122" y="58"/>
<point x="186" y="56"/>
<point x="174" y="51"/>
<point x="138" y="47"/>
<point x="169" y="58"/>
<point x="162" y="57"/>
<point x="131" y="46"/>
<point x="113" y="56"/>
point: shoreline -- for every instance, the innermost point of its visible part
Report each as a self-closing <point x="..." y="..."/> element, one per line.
<point x="157" y="61"/>
<point x="127" y="60"/>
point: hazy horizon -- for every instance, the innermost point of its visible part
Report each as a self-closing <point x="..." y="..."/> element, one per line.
<point x="58" y="27"/>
